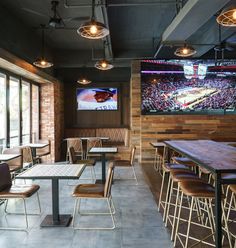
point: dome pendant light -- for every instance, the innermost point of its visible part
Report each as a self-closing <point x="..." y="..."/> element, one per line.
<point x="41" y="61"/>
<point x="93" y="29"/>
<point x="103" y="64"/>
<point x="227" y="17"/>
<point x="185" y="51"/>
<point x="83" y="79"/>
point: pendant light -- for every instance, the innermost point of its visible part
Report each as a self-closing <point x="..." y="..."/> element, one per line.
<point x="93" y="29"/>
<point x="83" y="79"/>
<point x="227" y="17"/>
<point x="41" y="61"/>
<point x="103" y="64"/>
<point x="185" y="51"/>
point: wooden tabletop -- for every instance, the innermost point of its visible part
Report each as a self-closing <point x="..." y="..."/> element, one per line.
<point x="49" y="171"/>
<point x="7" y="157"/>
<point x="103" y="150"/>
<point x="157" y="144"/>
<point x="214" y="156"/>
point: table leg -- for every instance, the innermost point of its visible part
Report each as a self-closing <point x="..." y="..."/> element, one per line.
<point x="56" y="220"/>
<point x="103" y="167"/>
<point x="218" y="211"/>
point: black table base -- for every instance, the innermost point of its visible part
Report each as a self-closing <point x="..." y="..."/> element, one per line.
<point x="64" y="221"/>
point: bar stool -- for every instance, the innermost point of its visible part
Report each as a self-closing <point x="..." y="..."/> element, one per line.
<point x="197" y="190"/>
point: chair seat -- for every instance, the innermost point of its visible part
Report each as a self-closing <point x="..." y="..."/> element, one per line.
<point x="179" y="176"/>
<point x="89" y="190"/>
<point x="167" y="167"/>
<point x="89" y="162"/>
<point x="197" y="189"/>
<point x="13" y="168"/>
<point x="41" y="154"/>
<point x="233" y="188"/>
<point x="122" y="163"/>
<point x="183" y="160"/>
<point x="19" y="191"/>
<point x="228" y="176"/>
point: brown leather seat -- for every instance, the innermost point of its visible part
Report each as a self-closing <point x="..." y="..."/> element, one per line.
<point x="167" y="167"/>
<point x="233" y="188"/>
<point x="183" y="160"/>
<point x="228" y="176"/>
<point x="89" y="190"/>
<point x="197" y="189"/>
<point x="122" y="163"/>
<point x="19" y="191"/>
<point x="179" y="176"/>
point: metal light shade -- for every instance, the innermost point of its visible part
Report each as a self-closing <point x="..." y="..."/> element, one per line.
<point x="42" y="63"/>
<point x="93" y="30"/>
<point x="185" y="51"/>
<point x="227" y="17"/>
<point x="103" y="65"/>
<point x="83" y="81"/>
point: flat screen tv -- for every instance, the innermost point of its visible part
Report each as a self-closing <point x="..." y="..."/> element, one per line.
<point x="97" y="99"/>
<point x="188" y="87"/>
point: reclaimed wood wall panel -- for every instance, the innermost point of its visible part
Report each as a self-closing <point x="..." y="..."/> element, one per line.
<point x="150" y="128"/>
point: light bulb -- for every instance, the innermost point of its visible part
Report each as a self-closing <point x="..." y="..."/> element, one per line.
<point x="93" y="29"/>
<point x="234" y="15"/>
<point x="83" y="80"/>
<point x="104" y="64"/>
<point x="185" y="51"/>
<point x="43" y="62"/>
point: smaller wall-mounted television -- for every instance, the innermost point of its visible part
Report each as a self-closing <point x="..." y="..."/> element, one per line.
<point x="97" y="99"/>
<point x="188" y="86"/>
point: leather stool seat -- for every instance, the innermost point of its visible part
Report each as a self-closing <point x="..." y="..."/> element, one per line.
<point x="228" y="176"/>
<point x="89" y="190"/>
<point x="179" y="176"/>
<point x="90" y="162"/>
<point x="122" y="163"/>
<point x="167" y="167"/>
<point x="183" y="160"/>
<point x="197" y="189"/>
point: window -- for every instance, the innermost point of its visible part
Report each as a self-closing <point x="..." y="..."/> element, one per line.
<point x="2" y="111"/>
<point x="14" y="109"/>
<point x="25" y="99"/>
<point x="19" y="111"/>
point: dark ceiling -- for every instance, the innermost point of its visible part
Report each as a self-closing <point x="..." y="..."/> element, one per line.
<point x="138" y="28"/>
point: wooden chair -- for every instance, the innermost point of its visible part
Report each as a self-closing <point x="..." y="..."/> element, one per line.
<point x="45" y="151"/>
<point x="78" y="147"/>
<point x="128" y="163"/>
<point x="15" y="165"/>
<point x="28" y="159"/>
<point x="95" y="191"/>
<point x="93" y="142"/>
<point x="89" y="162"/>
<point x="9" y="191"/>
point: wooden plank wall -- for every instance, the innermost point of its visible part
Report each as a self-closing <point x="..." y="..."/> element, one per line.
<point x="149" y="128"/>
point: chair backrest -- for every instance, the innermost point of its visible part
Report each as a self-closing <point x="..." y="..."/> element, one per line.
<point x="17" y="162"/>
<point x="132" y="155"/>
<point x="27" y="154"/>
<point x="77" y="144"/>
<point x="108" y="184"/>
<point x="46" y="149"/>
<point x="93" y="142"/>
<point x="72" y="156"/>
<point x="5" y="177"/>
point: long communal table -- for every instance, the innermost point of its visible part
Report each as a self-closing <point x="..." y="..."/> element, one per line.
<point x="216" y="157"/>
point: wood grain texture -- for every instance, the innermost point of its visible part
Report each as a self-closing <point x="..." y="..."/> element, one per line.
<point x="214" y="156"/>
<point x="152" y="128"/>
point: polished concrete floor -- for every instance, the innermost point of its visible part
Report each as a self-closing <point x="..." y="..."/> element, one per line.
<point x="138" y="222"/>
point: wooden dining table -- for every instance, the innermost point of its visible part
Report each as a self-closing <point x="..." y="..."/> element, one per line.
<point x="216" y="157"/>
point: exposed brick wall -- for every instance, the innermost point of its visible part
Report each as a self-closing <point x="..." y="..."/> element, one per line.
<point x="51" y="116"/>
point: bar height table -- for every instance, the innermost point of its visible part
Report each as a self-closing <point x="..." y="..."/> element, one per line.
<point x="54" y="172"/>
<point x="216" y="157"/>
<point x="103" y="151"/>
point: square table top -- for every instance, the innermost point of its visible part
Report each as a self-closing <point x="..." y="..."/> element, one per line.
<point x="7" y="157"/>
<point x="50" y="171"/>
<point x="103" y="150"/>
<point x="214" y="156"/>
<point x="37" y="145"/>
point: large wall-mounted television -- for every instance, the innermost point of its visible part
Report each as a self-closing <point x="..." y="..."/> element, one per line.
<point x="97" y="99"/>
<point x="188" y="87"/>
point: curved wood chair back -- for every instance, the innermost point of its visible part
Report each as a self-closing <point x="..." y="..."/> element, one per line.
<point x="27" y="155"/>
<point x="76" y="143"/>
<point x="108" y="184"/>
<point x="72" y="156"/>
